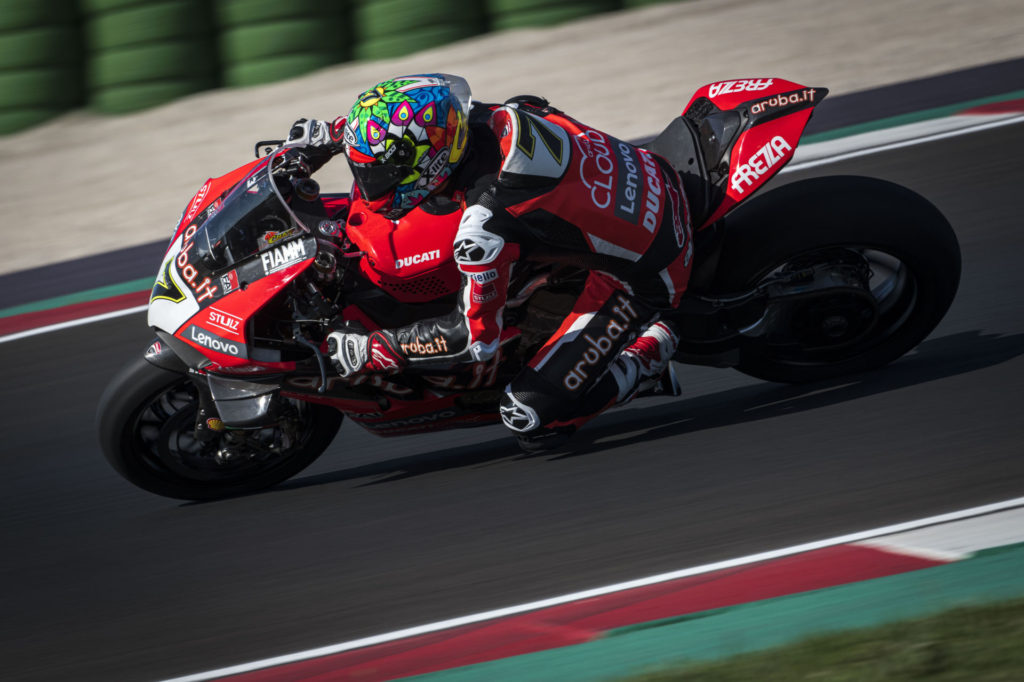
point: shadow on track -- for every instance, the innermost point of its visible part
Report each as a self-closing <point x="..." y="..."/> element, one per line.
<point x="933" y="360"/>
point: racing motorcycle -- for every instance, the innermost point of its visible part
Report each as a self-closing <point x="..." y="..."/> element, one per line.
<point x="812" y="280"/>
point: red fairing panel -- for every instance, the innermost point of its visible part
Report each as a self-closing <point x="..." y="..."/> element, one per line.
<point x="225" y="321"/>
<point x="770" y="141"/>
<point x="410" y="258"/>
<point x="760" y="153"/>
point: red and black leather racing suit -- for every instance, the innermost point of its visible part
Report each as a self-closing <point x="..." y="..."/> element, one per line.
<point x="546" y="188"/>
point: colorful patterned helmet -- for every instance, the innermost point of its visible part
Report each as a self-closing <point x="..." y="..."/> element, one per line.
<point x="404" y="137"/>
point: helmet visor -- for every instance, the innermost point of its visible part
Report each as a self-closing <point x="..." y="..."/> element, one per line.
<point x="377" y="180"/>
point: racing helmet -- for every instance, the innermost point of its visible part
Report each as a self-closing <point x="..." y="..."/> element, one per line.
<point x="404" y="137"/>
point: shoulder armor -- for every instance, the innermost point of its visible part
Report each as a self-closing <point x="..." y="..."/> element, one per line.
<point x="530" y="145"/>
<point x="474" y="244"/>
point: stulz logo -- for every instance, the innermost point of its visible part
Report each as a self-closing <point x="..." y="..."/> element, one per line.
<point x="224" y="321"/>
<point x="214" y="342"/>
<point x="759" y="163"/>
<point x="424" y="257"/>
<point x="483" y="293"/>
<point x="732" y="87"/>
<point x="283" y="256"/>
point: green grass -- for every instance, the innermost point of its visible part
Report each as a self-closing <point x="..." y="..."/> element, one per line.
<point x="975" y="644"/>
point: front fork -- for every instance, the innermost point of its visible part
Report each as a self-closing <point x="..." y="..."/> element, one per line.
<point x="224" y="403"/>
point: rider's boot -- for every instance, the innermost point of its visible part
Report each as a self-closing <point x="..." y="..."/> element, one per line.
<point x="665" y="385"/>
<point x="644" y="367"/>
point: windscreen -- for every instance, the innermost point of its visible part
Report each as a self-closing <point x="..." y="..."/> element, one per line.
<point x="252" y="217"/>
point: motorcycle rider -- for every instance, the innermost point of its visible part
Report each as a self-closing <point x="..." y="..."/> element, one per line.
<point x="536" y="186"/>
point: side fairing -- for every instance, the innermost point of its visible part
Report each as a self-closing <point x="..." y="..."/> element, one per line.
<point x="171" y="302"/>
<point x="755" y="125"/>
<point x="212" y="312"/>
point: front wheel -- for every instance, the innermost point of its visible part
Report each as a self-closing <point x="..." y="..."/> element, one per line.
<point x="891" y="258"/>
<point x="146" y="422"/>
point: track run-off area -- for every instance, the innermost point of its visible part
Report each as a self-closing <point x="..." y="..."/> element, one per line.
<point x="103" y="581"/>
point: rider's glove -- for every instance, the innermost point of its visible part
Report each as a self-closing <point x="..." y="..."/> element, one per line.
<point x="308" y="133"/>
<point x="318" y="140"/>
<point x="354" y="353"/>
<point x="318" y="134"/>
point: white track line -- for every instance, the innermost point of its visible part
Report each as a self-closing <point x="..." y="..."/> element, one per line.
<point x="796" y="166"/>
<point x="923" y="139"/>
<point x="931" y="554"/>
<point x="71" y="323"/>
<point x="596" y="592"/>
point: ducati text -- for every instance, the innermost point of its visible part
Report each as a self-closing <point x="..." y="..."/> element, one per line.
<point x="424" y="257"/>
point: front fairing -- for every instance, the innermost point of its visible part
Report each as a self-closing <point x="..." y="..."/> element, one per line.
<point x="225" y="265"/>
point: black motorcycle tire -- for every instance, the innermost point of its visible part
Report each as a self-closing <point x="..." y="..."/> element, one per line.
<point x="859" y="213"/>
<point x="120" y="415"/>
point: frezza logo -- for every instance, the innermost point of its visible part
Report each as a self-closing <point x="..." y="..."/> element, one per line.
<point x="759" y="163"/>
<point x="745" y="85"/>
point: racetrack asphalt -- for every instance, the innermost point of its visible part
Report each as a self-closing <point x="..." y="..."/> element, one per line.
<point x="106" y="582"/>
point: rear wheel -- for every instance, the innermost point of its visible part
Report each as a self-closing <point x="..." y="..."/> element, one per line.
<point x="878" y="268"/>
<point x="146" y="423"/>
